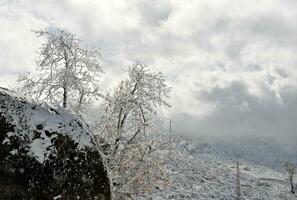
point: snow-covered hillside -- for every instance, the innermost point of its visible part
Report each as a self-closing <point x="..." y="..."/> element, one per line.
<point x="203" y="178"/>
<point x="211" y="174"/>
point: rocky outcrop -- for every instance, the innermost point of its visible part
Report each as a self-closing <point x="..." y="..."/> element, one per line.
<point x="47" y="153"/>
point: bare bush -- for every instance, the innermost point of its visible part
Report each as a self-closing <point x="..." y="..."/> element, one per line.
<point x="291" y="171"/>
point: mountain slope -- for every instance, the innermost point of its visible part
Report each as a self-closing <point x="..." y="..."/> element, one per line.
<point x="205" y="177"/>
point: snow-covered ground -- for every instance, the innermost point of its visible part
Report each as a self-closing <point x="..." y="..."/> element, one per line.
<point x="204" y="178"/>
<point x="211" y="174"/>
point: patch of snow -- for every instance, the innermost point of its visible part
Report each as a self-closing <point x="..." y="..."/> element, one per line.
<point x="14" y="152"/>
<point x="28" y="117"/>
<point x="6" y="141"/>
<point x="57" y="197"/>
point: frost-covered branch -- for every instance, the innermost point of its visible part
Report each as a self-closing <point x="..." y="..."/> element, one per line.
<point x="67" y="75"/>
<point x="127" y="122"/>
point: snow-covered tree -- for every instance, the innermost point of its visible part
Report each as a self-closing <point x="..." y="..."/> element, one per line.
<point x="68" y="73"/>
<point x="291" y="171"/>
<point x="126" y="125"/>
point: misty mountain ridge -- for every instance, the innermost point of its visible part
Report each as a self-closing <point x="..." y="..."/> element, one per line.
<point x="268" y="151"/>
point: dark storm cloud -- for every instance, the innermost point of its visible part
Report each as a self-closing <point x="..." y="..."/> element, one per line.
<point x="238" y="112"/>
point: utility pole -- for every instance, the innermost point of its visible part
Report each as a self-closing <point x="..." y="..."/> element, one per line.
<point x="237" y="181"/>
<point x="170" y="126"/>
<point x="170" y="130"/>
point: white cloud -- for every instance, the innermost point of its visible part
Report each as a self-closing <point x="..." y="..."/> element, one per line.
<point x="210" y="50"/>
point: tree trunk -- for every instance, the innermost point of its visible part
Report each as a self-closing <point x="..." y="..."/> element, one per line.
<point x="66" y="78"/>
<point x="65" y="94"/>
<point x="80" y="102"/>
<point x="292" y="185"/>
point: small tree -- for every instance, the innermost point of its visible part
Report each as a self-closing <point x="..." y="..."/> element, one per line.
<point x="67" y="72"/>
<point x="291" y="170"/>
<point x="126" y="124"/>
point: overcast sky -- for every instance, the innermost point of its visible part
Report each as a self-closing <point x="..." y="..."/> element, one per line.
<point x="232" y="63"/>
